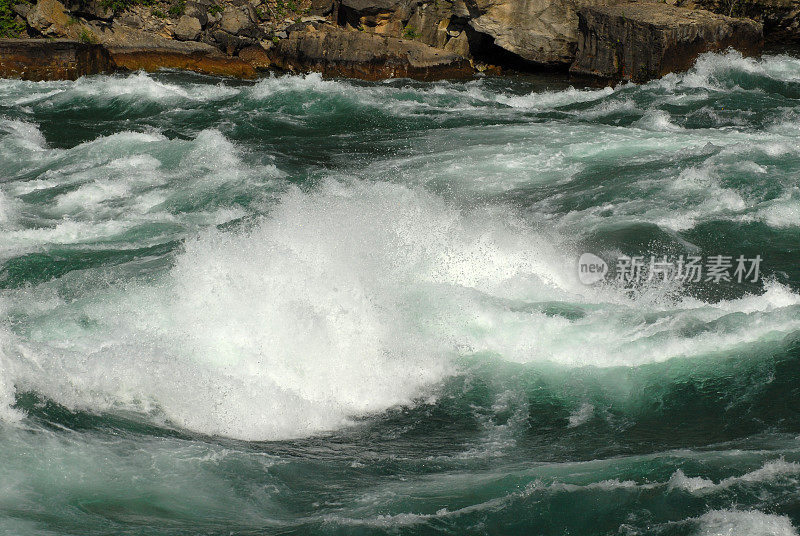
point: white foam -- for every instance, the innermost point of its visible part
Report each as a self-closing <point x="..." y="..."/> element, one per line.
<point x="581" y="415"/>
<point x="744" y="523"/>
<point x="554" y="99"/>
<point x="770" y="472"/>
<point x="25" y="135"/>
<point x="142" y="85"/>
<point x="657" y="120"/>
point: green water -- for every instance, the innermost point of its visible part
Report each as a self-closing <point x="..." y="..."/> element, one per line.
<point x="307" y="306"/>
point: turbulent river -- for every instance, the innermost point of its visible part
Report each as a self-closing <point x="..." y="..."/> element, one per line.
<point x="308" y="306"/>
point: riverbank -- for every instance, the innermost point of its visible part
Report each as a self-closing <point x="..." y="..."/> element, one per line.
<point x="380" y="39"/>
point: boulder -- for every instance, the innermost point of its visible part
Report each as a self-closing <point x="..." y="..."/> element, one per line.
<point x="49" y="17"/>
<point x="544" y="32"/>
<point x="52" y="59"/>
<point x="239" y="21"/>
<point x="256" y="56"/>
<point x="334" y="51"/>
<point x="230" y="43"/>
<point x="198" y="11"/>
<point x="643" y="41"/>
<point x="22" y="9"/>
<point x="187" y="29"/>
<point x="321" y="7"/>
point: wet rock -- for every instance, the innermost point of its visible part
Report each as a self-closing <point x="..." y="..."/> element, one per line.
<point x="52" y="59"/>
<point x="643" y="41"/>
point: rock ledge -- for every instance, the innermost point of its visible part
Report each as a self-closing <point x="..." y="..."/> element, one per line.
<point x="639" y="42"/>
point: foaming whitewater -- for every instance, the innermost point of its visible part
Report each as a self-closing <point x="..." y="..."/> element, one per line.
<point x="326" y="306"/>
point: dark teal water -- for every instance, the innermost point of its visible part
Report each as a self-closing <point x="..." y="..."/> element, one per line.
<point x="307" y="306"/>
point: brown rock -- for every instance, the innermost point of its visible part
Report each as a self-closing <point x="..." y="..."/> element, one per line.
<point x="152" y="59"/>
<point x="136" y="50"/>
<point x="643" y="41"/>
<point x="51" y="59"/>
<point x="256" y="56"/>
<point x="334" y="51"/>
<point x="49" y="17"/>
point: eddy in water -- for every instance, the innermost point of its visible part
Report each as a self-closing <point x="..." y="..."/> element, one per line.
<point x="307" y="306"/>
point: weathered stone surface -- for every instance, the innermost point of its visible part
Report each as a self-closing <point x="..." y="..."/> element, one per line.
<point x="542" y="32"/>
<point x="49" y="17"/>
<point x="198" y="11"/>
<point x="256" y="56"/>
<point x="187" y="29"/>
<point x="239" y="21"/>
<point x="371" y="7"/>
<point x="136" y="50"/>
<point x="334" y="51"/>
<point x="539" y="31"/>
<point x="230" y="43"/>
<point x="643" y="41"/>
<point x="22" y="9"/>
<point x="95" y="9"/>
<point x="51" y="59"/>
<point x="322" y="7"/>
<point x="781" y="18"/>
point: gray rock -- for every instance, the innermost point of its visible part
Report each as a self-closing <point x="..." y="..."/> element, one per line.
<point x="322" y="7"/>
<point x="22" y="9"/>
<point x="187" y="29"/>
<point x="133" y="20"/>
<point x="231" y="44"/>
<point x="198" y="11"/>
<point x="643" y="41"/>
<point x="371" y="7"/>
<point x="92" y="9"/>
<point x="238" y="21"/>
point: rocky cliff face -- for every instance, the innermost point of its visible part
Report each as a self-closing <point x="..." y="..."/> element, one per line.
<point x="780" y="18"/>
<point x="52" y="60"/>
<point x="363" y="38"/>
<point x="542" y="32"/>
<point x="643" y="41"/>
<point x="337" y="52"/>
